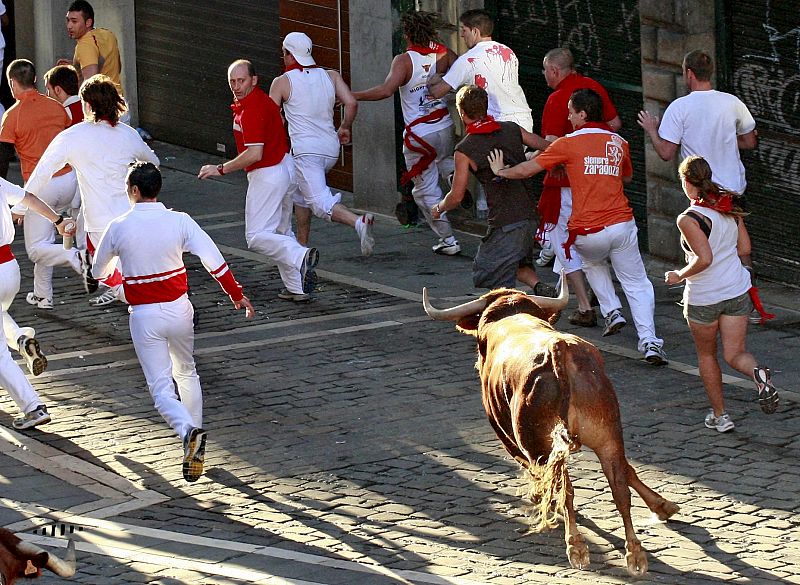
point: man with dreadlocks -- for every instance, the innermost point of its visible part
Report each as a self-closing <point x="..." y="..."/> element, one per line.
<point x="428" y="136"/>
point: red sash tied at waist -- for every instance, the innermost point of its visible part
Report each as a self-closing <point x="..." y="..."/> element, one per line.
<point x="5" y="254"/>
<point x="421" y="147"/>
<point x="574" y="233"/>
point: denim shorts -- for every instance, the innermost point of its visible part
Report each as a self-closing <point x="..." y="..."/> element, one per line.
<point x="708" y="314"/>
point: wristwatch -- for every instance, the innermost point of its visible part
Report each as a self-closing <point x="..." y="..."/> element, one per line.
<point x="59" y="221"/>
<point x="221" y="168"/>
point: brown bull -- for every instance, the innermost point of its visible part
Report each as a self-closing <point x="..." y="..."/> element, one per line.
<point x="20" y="559"/>
<point x="546" y="393"/>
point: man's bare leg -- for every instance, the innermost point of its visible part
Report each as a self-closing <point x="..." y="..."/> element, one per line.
<point x="302" y="216"/>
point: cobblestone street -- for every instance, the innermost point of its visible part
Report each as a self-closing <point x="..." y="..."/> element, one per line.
<point x="347" y="440"/>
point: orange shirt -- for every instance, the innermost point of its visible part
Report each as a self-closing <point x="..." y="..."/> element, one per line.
<point x="596" y="161"/>
<point x="30" y="125"/>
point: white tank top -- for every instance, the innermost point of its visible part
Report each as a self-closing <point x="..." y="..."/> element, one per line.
<point x="726" y="278"/>
<point x="309" y="112"/>
<point x="415" y="100"/>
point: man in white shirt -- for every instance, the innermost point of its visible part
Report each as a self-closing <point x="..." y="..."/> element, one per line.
<point x="102" y="137"/>
<point x="489" y="65"/>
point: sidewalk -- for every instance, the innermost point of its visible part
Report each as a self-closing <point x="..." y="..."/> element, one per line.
<point x="348" y="442"/>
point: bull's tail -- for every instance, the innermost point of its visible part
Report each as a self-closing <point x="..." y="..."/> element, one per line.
<point x="547" y="482"/>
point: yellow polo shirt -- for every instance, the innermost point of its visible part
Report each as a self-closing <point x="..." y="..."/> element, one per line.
<point x="99" y="47"/>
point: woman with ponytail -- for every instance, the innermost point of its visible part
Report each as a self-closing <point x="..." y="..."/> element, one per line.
<point x="718" y="296"/>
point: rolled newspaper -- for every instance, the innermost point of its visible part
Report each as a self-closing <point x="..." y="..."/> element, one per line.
<point x="69" y="241"/>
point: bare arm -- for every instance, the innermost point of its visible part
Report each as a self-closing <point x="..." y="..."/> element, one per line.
<point x="437" y="87"/>
<point x="249" y="156"/>
<point x="615" y="123"/>
<point x="698" y="242"/>
<point x="534" y="140"/>
<point x="523" y="170"/>
<point x="279" y="90"/>
<point x="89" y="70"/>
<point x="345" y="97"/>
<point x="747" y="141"/>
<point x="665" y="149"/>
<point x="459" y="187"/>
<point x="399" y="74"/>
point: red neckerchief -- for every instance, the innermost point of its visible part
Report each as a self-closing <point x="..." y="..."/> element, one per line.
<point x="485" y="125"/>
<point x="296" y="66"/>
<point x="598" y="125"/>
<point x="432" y="48"/>
<point x="724" y="204"/>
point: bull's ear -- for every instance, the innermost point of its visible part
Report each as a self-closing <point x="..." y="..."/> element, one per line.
<point x="469" y="325"/>
<point x="35" y="563"/>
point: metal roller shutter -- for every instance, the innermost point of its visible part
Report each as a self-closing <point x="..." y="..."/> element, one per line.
<point x="764" y="40"/>
<point x="184" y="48"/>
<point x="605" y="39"/>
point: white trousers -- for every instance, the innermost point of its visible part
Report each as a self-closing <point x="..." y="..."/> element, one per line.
<point x="427" y="191"/>
<point x="522" y="120"/>
<point x="163" y="337"/>
<point x="311" y="189"/>
<point x="12" y="378"/>
<point x="40" y="235"/>
<point x="558" y="235"/>
<point x="268" y="220"/>
<point x="620" y="244"/>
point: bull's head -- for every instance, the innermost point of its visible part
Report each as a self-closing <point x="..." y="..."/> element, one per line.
<point x="498" y="304"/>
<point x="20" y="559"/>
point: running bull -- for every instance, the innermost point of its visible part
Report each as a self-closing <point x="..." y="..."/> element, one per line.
<point x="23" y="560"/>
<point x="546" y="393"/>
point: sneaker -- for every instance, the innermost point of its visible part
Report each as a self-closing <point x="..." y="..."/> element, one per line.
<point x="90" y="283"/>
<point x="307" y="275"/>
<point x="654" y="354"/>
<point x="722" y="423"/>
<point x="755" y="317"/>
<point x="38" y="416"/>
<point x="194" y="454"/>
<point x="364" y="231"/>
<point x="767" y="395"/>
<point x="546" y="257"/>
<point x="40" y="302"/>
<point x="614" y="322"/>
<point x="542" y="289"/>
<point x="107" y="297"/>
<point x="583" y="318"/>
<point x="34" y="358"/>
<point x="442" y="247"/>
<point x="287" y="295"/>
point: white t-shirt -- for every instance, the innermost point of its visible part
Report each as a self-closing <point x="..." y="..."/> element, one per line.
<point x="495" y="68"/>
<point x="100" y="154"/>
<point x="10" y="194"/>
<point x="706" y="123"/>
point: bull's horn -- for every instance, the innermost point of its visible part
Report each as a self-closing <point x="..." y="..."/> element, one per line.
<point x="454" y="313"/>
<point x="65" y="568"/>
<point x="558" y="303"/>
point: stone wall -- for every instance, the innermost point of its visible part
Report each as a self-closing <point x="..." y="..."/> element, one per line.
<point x="669" y="31"/>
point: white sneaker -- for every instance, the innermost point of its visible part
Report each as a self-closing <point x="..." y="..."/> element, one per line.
<point x="721" y="423"/>
<point x="364" y="231"/>
<point x="614" y="322"/>
<point x="107" y="297"/>
<point x="448" y="249"/>
<point x="654" y="354"/>
<point x="38" y="416"/>
<point x="40" y="302"/>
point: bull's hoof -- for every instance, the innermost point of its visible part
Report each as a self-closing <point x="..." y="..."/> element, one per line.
<point x="666" y="509"/>
<point x="636" y="559"/>
<point x="578" y="555"/>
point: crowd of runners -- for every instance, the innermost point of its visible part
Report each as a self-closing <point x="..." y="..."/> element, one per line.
<point x="90" y="177"/>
